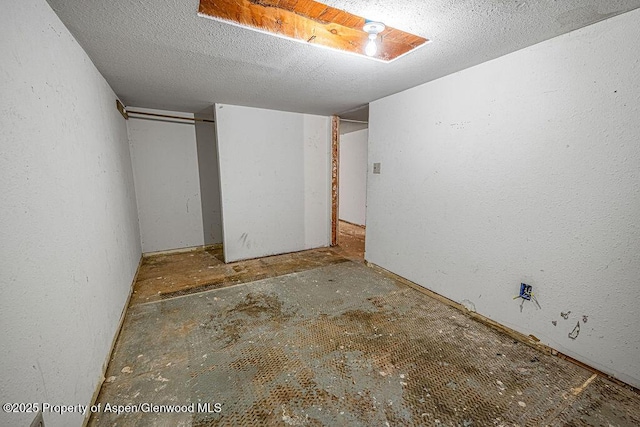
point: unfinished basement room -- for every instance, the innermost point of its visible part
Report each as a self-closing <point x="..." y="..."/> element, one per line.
<point x="304" y="213"/>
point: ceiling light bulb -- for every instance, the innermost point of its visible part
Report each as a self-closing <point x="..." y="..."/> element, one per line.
<point x="372" y="47"/>
<point x="372" y="28"/>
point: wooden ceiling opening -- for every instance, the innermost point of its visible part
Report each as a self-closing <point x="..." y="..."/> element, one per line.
<point x="310" y="22"/>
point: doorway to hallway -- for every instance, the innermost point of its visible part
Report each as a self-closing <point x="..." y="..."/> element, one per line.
<point x="352" y="187"/>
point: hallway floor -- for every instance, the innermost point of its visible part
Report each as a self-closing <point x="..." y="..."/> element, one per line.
<point x="315" y="338"/>
<point x="351" y="241"/>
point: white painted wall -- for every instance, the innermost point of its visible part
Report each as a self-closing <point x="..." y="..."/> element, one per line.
<point x="353" y="177"/>
<point x="348" y="127"/>
<point x="523" y="169"/>
<point x="275" y="181"/>
<point x="68" y="223"/>
<point x="209" y="177"/>
<point x="165" y="168"/>
<point x="316" y="146"/>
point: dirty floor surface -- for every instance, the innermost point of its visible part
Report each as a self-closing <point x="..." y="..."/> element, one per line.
<point x="338" y="344"/>
<point x="171" y="275"/>
<point x="351" y="241"/>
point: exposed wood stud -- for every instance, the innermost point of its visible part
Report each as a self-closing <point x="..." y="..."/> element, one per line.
<point x="335" y="177"/>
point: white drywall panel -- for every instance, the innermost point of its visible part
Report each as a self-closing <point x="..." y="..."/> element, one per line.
<point x="522" y="169"/>
<point x="348" y="127"/>
<point x="275" y="181"/>
<point x="68" y="226"/>
<point x="316" y="144"/>
<point x="165" y="169"/>
<point x="209" y="177"/>
<point x="353" y="177"/>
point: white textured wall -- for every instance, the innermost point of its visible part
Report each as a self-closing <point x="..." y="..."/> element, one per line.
<point x="165" y="168"/>
<point x="353" y="176"/>
<point x="209" y="178"/>
<point x="316" y="145"/>
<point x="275" y="181"/>
<point x="523" y="169"/>
<point x="68" y="224"/>
<point x="348" y="127"/>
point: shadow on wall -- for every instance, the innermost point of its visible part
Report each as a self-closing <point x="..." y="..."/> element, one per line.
<point x="208" y="170"/>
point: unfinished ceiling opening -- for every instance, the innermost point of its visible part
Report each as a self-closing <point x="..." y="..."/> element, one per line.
<point x="308" y="21"/>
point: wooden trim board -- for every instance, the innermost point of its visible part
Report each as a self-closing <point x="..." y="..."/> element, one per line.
<point x="182" y="250"/>
<point x="335" y="178"/>
<point x="105" y="364"/>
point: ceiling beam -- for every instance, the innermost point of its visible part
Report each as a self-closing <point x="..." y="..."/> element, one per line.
<point x="310" y="22"/>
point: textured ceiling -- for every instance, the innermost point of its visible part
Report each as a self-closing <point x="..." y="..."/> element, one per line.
<point x="161" y="54"/>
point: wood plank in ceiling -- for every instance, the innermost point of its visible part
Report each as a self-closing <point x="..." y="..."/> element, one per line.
<point x="310" y="22"/>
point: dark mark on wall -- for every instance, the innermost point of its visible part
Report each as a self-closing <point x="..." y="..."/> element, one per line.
<point x="585" y="318"/>
<point x="555" y="322"/>
<point x="565" y="315"/>
<point x="576" y="331"/>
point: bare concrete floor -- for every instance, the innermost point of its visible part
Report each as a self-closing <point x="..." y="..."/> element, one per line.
<point x="337" y="344"/>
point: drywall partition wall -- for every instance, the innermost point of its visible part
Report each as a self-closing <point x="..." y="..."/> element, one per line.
<point x="68" y="226"/>
<point x="347" y="126"/>
<point x="522" y="169"/>
<point x="209" y="177"/>
<point x="165" y="169"/>
<point x="274" y="179"/>
<point x="353" y="177"/>
<point x="316" y="145"/>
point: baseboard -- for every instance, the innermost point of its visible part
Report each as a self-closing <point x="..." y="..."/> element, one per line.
<point x="105" y="364"/>
<point x="279" y="254"/>
<point x="530" y="340"/>
<point x="182" y="250"/>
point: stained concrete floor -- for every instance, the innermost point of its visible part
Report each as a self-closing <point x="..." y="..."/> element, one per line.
<point x="325" y="341"/>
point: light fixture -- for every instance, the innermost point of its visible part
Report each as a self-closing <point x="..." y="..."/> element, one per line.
<point x="315" y="24"/>
<point x="373" y="28"/>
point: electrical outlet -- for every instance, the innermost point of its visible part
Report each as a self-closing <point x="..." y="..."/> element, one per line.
<point x="376" y="168"/>
<point x="525" y="291"/>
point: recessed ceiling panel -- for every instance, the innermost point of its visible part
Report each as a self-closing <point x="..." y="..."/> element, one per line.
<point x="308" y="21"/>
